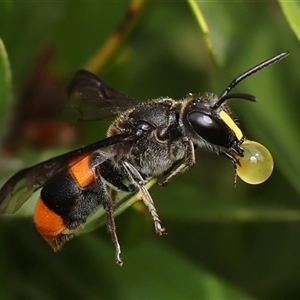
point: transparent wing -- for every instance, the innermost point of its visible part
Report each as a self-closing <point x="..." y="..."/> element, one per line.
<point x="90" y="98"/>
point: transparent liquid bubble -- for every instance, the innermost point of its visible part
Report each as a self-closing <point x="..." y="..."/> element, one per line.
<point x="257" y="164"/>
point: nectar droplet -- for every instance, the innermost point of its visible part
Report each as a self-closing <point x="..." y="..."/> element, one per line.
<point x="257" y="164"/>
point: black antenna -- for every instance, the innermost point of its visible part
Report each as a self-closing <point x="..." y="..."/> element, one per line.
<point x="225" y="94"/>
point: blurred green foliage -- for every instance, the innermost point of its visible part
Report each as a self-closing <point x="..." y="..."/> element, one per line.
<point x="223" y="242"/>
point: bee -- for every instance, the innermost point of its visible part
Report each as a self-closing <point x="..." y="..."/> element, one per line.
<point x="146" y="140"/>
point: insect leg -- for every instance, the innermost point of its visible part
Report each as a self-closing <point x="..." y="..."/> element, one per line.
<point x="113" y="177"/>
<point x="108" y="207"/>
<point x="188" y="162"/>
<point x="135" y="177"/>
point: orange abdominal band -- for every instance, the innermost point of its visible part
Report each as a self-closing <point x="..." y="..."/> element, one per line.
<point x="48" y="223"/>
<point x="82" y="173"/>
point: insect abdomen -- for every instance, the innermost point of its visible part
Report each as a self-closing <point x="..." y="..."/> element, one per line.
<point x="60" y="199"/>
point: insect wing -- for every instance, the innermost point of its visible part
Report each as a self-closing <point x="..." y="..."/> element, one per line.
<point x="18" y="189"/>
<point x="90" y="99"/>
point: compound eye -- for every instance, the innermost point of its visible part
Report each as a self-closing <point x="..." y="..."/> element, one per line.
<point x="209" y="128"/>
<point x="256" y="165"/>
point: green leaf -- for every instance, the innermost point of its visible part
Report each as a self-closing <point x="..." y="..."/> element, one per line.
<point x="5" y="83"/>
<point x="196" y="9"/>
<point x="291" y="10"/>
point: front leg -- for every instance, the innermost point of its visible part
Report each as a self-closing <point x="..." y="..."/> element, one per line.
<point x="188" y="162"/>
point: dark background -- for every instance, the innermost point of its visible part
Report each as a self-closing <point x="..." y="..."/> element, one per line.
<point x="223" y="242"/>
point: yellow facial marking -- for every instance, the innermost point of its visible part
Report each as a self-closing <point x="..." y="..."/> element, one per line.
<point x="230" y="123"/>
